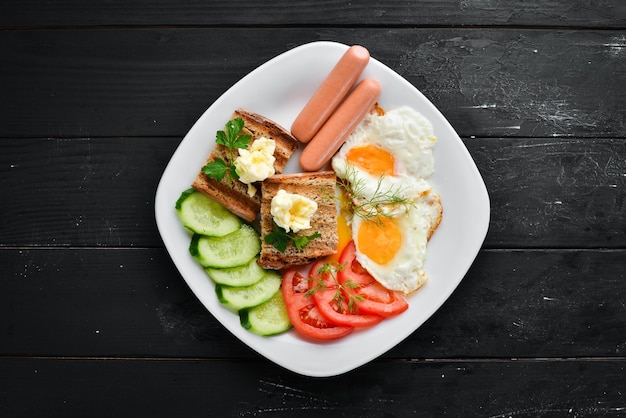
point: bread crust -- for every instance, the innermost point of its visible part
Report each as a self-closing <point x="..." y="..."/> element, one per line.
<point x="234" y="196"/>
<point x="318" y="186"/>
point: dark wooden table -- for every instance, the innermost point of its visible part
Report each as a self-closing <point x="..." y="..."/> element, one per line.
<point x="95" y="320"/>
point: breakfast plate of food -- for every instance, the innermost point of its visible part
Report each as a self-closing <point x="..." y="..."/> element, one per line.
<point x="322" y="209"/>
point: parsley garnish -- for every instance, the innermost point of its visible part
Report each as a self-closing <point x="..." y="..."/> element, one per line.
<point x="280" y="239"/>
<point x="232" y="138"/>
<point x="339" y="298"/>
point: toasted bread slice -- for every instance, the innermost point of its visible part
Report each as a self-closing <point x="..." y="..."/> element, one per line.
<point x="234" y="196"/>
<point x="318" y="186"/>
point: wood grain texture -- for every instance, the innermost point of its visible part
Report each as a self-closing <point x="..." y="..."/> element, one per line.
<point x="119" y="302"/>
<point x="567" y="193"/>
<point x="82" y="192"/>
<point x="162" y="388"/>
<point x="563" y="193"/>
<point x="157" y="82"/>
<point x="25" y="13"/>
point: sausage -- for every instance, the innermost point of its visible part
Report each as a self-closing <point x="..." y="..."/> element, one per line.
<point x="341" y="124"/>
<point x="330" y="93"/>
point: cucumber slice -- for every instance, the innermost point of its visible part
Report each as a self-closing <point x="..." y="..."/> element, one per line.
<point x="249" y="296"/>
<point x="203" y="215"/>
<point x="269" y="318"/>
<point x="245" y="275"/>
<point x="232" y="250"/>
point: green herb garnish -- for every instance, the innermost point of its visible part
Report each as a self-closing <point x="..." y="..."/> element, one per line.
<point x="280" y="239"/>
<point x="232" y="138"/>
<point x="339" y="298"/>
<point x="370" y="208"/>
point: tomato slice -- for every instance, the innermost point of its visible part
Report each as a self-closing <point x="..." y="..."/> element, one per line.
<point x="377" y="299"/>
<point x="303" y="312"/>
<point x="333" y="302"/>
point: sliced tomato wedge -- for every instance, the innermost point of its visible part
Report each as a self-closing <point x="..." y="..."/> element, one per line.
<point x="333" y="302"/>
<point x="303" y="312"/>
<point x="376" y="299"/>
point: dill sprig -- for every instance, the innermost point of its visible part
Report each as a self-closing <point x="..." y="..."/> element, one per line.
<point x="376" y="206"/>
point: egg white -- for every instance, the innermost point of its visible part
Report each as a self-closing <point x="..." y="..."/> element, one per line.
<point x="409" y="136"/>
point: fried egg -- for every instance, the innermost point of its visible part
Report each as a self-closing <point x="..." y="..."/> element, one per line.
<point x="386" y="163"/>
<point x="393" y="249"/>
<point x="390" y="154"/>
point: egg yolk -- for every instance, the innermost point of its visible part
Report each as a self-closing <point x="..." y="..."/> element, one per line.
<point x="344" y="231"/>
<point x="372" y="159"/>
<point x="379" y="239"/>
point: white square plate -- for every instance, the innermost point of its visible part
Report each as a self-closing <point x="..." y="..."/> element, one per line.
<point x="278" y="90"/>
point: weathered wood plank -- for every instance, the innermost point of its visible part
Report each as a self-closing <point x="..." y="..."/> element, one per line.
<point x="107" y="302"/>
<point x="157" y="82"/>
<point x="162" y="388"/>
<point x="537" y="303"/>
<point x="24" y="13"/>
<point x="82" y="192"/>
<point x="568" y="193"/>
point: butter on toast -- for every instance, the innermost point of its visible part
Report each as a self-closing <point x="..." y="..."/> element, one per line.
<point x="234" y="196"/>
<point x="317" y="186"/>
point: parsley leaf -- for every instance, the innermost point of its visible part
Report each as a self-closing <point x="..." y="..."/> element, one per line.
<point x="216" y="169"/>
<point x="301" y="242"/>
<point x="232" y="138"/>
<point x="233" y="172"/>
<point x="221" y="138"/>
<point x="242" y="141"/>
<point x="233" y="127"/>
<point x="280" y="239"/>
